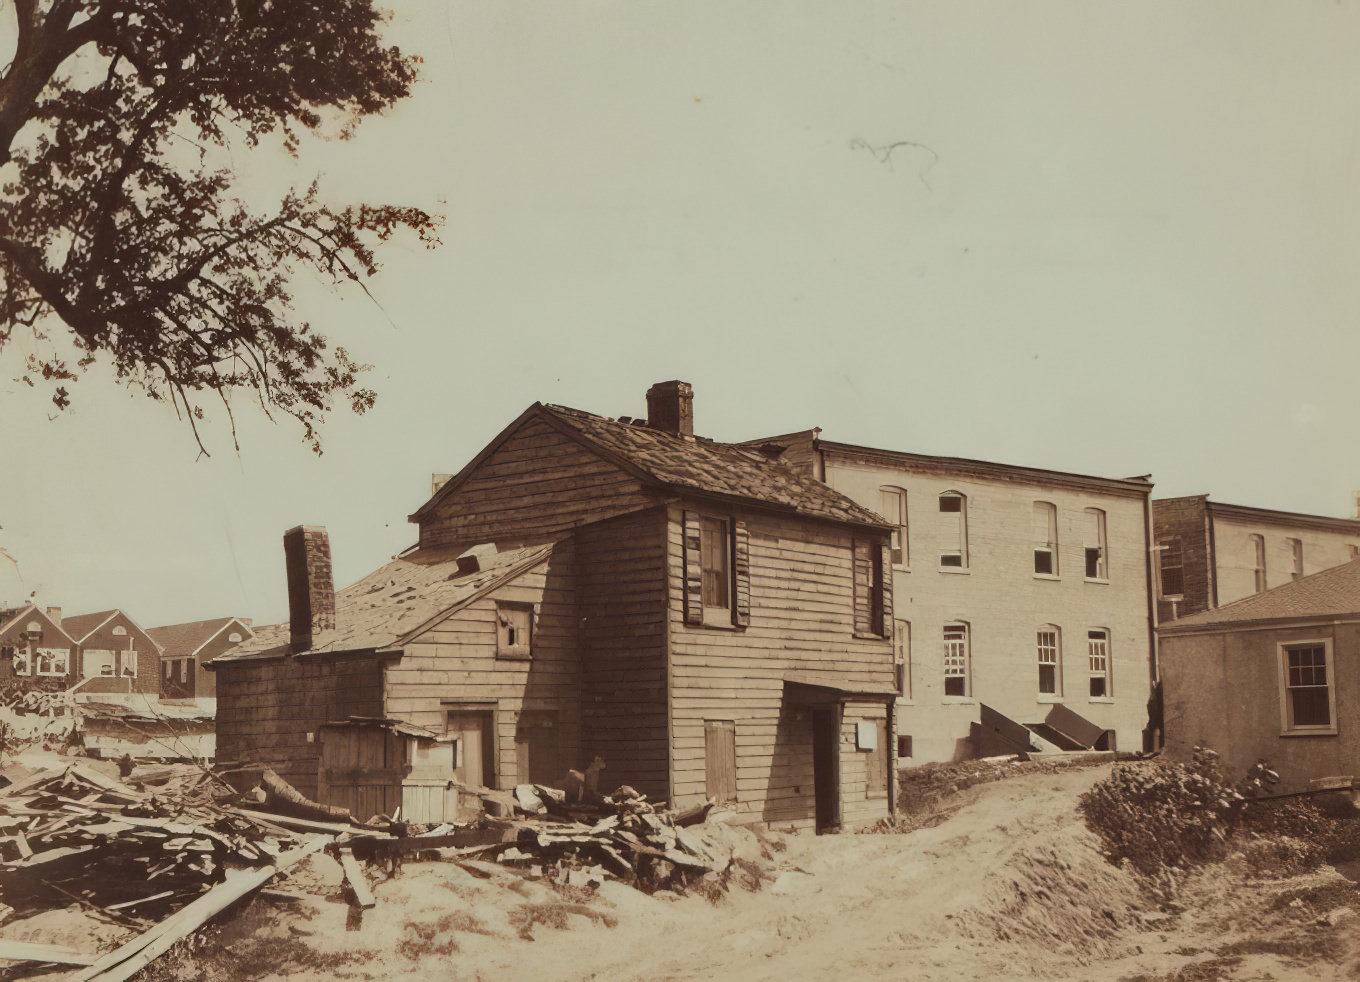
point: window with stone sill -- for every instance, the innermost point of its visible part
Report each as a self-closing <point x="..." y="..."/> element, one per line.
<point x="1308" y="694"/>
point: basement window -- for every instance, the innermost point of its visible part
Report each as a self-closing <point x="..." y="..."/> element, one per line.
<point x="1308" y="696"/>
<point x="514" y="630"/>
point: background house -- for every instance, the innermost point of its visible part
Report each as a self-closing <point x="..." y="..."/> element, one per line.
<point x="1211" y="553"/>
<point x="1274" y="676"/>
<point x="185" y="648"/>
<point x="1018" y="589"/>
<point x="710" y="621"/>
<point x="36" y="652"/>
<point x="115" y="655"/>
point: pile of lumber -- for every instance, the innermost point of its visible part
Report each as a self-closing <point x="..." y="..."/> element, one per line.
<point x="77" y="836"/>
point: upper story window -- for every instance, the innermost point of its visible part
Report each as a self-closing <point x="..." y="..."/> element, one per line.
<point x="1097" y="547"/>
<point x="1308" y="694"/>
<point x="514" y="629"/>
<point x="1296" y="557"/>
<point x="957" y="674"/>
<point x="954" y="530"/>
<point x="717" y="569"/>
<point x="1098" y="652"/>
<point x="234" y="638"/>
<point x="1171" y="566"/>
<point x="1258" y="560"/>
<point x="119" y="631"/>
<point x="871" y="571"/>
<point x="715" y="562"/>
<point x="902" y="657"/>
<point x="1049" y="648"/>
<point x="1045" y="525"/>
<point x="1355" y="551"/>
<point x="892" y="505"/>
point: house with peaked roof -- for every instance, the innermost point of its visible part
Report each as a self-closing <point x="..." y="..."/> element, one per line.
<point x="711" y="622"/>
<point x="1275" y="675"/>
<point x="185" y="648"/>
<point x="115" y="655"/>
<point x="1211" y="553"/>
<point x="36" y="652"/>
<point x="1023" y="598"/>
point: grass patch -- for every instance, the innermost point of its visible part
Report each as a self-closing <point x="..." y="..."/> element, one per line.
<point x="556" y="915"/>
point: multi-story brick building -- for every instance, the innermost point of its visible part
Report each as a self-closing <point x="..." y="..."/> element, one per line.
<point x="1210" y="553"/>
<point x="1019" y="590"/>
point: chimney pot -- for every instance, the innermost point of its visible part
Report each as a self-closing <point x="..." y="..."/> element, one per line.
<point x="311" y="587"/>
<point x="670" y="407"/>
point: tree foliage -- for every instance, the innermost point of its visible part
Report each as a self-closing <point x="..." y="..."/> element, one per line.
<point x="120" y="217"/>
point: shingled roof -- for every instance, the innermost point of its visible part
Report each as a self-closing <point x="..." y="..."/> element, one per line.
<point x="395" y="600"/>
<point x="178" y="640"/>
<point x="80" y="626"/>
<point x="690" y="463"/>
<point x="1333" y="592"/>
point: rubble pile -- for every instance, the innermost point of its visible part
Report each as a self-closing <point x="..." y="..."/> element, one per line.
<point x="76" y="836"/>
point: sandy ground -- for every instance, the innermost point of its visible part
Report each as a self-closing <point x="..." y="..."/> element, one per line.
<point x="1010" y="887"/>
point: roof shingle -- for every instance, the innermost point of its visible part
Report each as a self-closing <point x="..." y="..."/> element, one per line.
<point x="1332" y="592"/>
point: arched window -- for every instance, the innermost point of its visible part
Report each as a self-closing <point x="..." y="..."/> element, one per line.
<point x="893" y="507"/>
<point x="234" y="638"/>
<point x="954" y="530"/>
<point x="1048" y="644"/>
<point x="1045" y="524"/>
<point x="1258" y="560"/>
<point x="119" y="631"/>
<point x="34" y="627"/>
<point x="1097" y="558"/>
<point x="957" y="661"/>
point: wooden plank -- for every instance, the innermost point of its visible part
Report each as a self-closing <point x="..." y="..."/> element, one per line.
<point x="27" y="951"/>
<point x="354" y="876"/>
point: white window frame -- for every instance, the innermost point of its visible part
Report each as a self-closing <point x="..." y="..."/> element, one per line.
<point x="1100" y="662"/>
<point x="21" y="656"/>
<point x="52" y="654"/>
<point x="892" y="502"/>
<point x="1258" y="560"/>
<point x="1046" y="539"/>
<point x="902" y="658"/>
<point x="119" y="631"/>
<point x="959" y="551"/>
<point x="1287" y="726"/>
<point x="90" y="654"/>
<point x="1296" y="558"/>
<point x="1097" y="528"/>
<point x="129" y="663"/>
<point x="958" y="659"/>
<point x="1048" y="651"/>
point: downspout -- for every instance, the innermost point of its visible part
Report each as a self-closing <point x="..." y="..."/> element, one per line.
<point x="1154" y="669"/>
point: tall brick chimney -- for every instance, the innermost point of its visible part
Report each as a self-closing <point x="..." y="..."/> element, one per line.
<point x="670" y="407"/>
<point x="311" y="588"/>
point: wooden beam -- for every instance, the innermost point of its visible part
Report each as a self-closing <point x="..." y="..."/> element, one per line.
<point x="23" y="951"/>
<point x="363" y="896"/>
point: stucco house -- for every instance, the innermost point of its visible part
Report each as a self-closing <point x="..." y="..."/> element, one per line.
<point x="1275" y="675"/>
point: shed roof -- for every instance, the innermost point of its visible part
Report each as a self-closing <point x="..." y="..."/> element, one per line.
<point x="695" y="464"/>
<point x="395" y="601"/>
<point x="178" y="640"/>
<point x="1333" y="592"/>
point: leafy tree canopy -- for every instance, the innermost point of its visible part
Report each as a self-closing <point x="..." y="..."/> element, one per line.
<point x="120" y="220"/>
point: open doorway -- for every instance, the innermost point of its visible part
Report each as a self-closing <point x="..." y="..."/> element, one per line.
<point x="826" y="766"/>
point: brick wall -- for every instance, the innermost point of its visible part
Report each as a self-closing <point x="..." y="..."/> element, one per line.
<point x="1185" y="519"/>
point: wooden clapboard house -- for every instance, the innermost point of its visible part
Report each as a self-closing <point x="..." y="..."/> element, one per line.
<point x="703" y="617"/>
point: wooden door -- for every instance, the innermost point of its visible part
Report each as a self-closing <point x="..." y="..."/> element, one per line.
<point x="538" y="748"/>
<point x="361" y="768"/>
<point x="826" y="766"/>
<point x="474" y="756"/>
<point x="720" y="760"/>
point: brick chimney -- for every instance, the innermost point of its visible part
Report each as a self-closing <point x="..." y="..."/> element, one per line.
<point x="54" y="614"/>
<point x="670" y="407"/>
<point x="311" y="588"/>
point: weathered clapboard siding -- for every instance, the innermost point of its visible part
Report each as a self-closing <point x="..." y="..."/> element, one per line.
<point x="621" y="582"/>
<point x="537" y="484"/>
<point x="269" y="710"/>
<point x="454" y="664"/>
<point x="802" y="619"/>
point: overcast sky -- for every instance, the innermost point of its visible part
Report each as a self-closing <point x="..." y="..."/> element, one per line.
<point x="1110" y="238"/>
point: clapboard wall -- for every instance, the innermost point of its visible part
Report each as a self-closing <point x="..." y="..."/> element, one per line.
<point x="454" y="665"/>
<point x="801" y="620"/>
<point x="269" y="711"/>
<point x="621" y="572"/>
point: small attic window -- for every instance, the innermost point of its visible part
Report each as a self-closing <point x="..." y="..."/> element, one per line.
<point x="514" y="630"/>
<point x="234" y="638"/>
<point x="119" y="631"/>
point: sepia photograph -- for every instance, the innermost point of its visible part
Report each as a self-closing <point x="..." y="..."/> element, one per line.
<point x="639" y="490"/>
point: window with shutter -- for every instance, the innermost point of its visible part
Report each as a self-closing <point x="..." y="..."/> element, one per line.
<point x="871" y="566"/>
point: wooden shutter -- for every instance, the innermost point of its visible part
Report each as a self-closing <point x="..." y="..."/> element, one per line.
<point x="694" y="570"/>
<point x="885" y="592"/>
<point x="864" y="587"/>
<point x="720" y="760"/>
<point x="741" y="574"/>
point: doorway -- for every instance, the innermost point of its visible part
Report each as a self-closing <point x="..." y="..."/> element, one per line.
<point x="474" y="750"/>
<point x="826" y="766"/>
<point x="538" y="748"/>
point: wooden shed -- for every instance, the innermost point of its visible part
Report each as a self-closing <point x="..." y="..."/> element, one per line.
<point x="375" y="766"/>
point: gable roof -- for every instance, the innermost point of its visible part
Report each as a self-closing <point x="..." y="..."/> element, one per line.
<point x="1333" y="592"/>
<point x="81" y="626"/>
<point x="398" y="600"/>
<point x="178" y="640"/>
<point x="672" y="461"/>
<point x="18" y="615"/>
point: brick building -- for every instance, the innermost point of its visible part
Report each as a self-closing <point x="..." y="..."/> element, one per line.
<point x="36" y="652"/>
<point x="114" y="654"/>
<point x="1210" y="553"/>
<point x="186" y="648"/>
<point x="1023" y="597"/>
